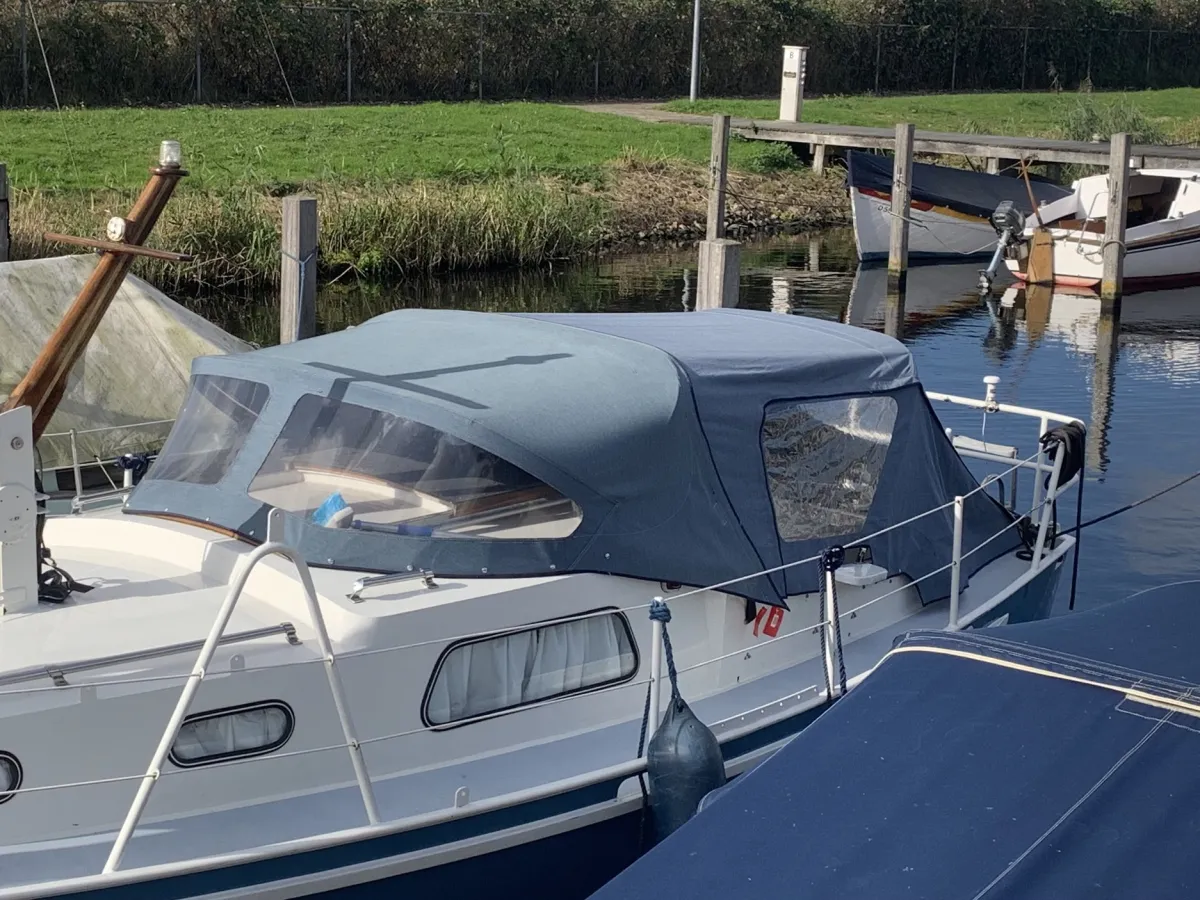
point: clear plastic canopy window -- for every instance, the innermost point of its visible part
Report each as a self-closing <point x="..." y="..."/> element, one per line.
<point x="212" y="426"/>
<point x="824" y="460"/>
<point x="347" y="466"/>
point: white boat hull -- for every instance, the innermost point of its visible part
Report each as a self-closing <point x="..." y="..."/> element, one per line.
<point x="936" y="232"/>
<point x="1157" y="260"/>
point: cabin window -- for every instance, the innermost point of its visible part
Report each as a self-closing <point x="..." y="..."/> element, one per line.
<point x="232" y="733"/>
<point x="489" y="675"/>
<point x="10" y="775"/>
<point x="212" y="426"/>
<point x="823" y="461"/>
<point x="348" y="466"/>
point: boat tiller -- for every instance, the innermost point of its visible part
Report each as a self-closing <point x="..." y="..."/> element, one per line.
<point x="1008" y="221"/>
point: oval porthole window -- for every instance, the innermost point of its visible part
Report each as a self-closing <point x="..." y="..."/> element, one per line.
<point x="232" y="733"/>
<point x="10" y="775"/>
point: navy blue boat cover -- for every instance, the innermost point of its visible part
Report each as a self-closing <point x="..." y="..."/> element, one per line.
<point x="1002" y="763"/>
<point x="652" y="423"/>
<point x="973" y="193"/>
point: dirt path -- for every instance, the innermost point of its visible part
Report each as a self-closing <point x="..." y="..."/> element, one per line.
<point x="646" y="111"/>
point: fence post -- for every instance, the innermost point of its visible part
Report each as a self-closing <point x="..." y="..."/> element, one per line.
<point x="24" y="52"/>
<point x="1149" y="54"/>
<point x="298" y="281"/>
<point x="596" y="79"/>
<point x="878" y="54"/>
<point x="695" y="86"/>
<point x="954" y="62"/>
<point x="196" y="41"/>
<point x="349" y="58"/>
<point x="4" y="232"/>
<point x="901" y="199"/>
<point x="1024" y="55"/>
<point x="720" y="258"/>
<point x="1114" y="224"/>
<point x="481" y="56"/>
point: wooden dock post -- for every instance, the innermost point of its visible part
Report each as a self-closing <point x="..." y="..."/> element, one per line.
<point x="901" y="197"/>
<point x="4" y="232"/>
<point x="720" y="258"/>
<point x="298" y="275"/>
<point x="1114" y="224"/>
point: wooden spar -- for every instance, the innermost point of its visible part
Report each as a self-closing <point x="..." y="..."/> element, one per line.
<point x="45" y="383"/>
<point x="148" y="252"/>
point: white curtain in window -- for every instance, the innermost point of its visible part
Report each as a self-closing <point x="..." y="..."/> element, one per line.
<point x="240" y="732"/>
<point x="503" y="672"/>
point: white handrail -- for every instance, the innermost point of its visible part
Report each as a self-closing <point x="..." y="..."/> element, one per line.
<point x="273" y="546"/>
<point x="956" y="559"/>
<point x="1052" y="492"/>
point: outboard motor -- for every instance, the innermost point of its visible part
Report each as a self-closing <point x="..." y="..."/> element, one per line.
<point x="684" y="761"/>
<point x="1008" y="222"/>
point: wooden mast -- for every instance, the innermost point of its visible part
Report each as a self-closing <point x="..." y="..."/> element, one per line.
<point x="43" y="386"/>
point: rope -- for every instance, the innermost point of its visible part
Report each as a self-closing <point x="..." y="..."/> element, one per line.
<point x="660" y="612"/>
<point x="1133" y="505"/>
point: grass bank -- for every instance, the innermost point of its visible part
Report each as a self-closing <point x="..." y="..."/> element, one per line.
<point x="400" y="188"/>
<point x="1172" y="115"/>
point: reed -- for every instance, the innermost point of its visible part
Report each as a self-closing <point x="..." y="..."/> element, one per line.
<point x="372" y="231"/>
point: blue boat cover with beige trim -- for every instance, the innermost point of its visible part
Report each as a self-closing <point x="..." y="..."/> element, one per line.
<point x="1042" y="761"/>
<point x="697" y="447"/>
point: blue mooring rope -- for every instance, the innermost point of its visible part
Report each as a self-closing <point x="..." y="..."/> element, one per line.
<point x="660" y="612"/>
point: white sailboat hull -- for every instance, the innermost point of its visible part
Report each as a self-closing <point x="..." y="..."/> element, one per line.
<point x="936" y="232"/>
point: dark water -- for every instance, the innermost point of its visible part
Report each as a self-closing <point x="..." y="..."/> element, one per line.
<point x="1135" y="381"/>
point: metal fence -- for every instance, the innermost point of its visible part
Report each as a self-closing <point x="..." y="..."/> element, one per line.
<point x="103" y="52"/>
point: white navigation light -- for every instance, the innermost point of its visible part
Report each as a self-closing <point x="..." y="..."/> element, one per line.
<point x="170" y="156"/>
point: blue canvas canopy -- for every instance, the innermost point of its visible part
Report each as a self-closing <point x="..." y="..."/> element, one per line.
<point x="1012" y="762"/>
<point x="667" y="431"/>
<point x="964" y="190"/>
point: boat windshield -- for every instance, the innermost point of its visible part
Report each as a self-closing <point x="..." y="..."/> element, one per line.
<point x="212" y="426"/>
<point x="347" y="466"/>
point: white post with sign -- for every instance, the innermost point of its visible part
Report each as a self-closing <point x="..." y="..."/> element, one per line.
<point x="791" y="92"/>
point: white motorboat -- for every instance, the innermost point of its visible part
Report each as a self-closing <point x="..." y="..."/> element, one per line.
<point x="950" y="210"/>
<point x="379" y="608"/>
<point x="1162" y="231"/>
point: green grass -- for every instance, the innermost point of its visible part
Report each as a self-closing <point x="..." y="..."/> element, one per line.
<point x="280" y="148"/>
<point x="1025" y="114"/>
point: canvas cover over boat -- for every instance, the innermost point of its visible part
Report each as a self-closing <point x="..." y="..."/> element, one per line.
<point x="135" y="369"/>
<point x="693" y="447"/>
<point x="962" y="190"/>
<point x="1011" y="762"/>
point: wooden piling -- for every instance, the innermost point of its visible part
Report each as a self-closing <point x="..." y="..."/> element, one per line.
<point x="1114" y="224"/>
<point x="720" y="258"/>
<point x="4" y="232"/>
<point x="818" y="160"/>
<point x="298" y="275"/>
<point x="717" y="175"/>
<point x="720" y="272"/>
<point x="901" y="198"/>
